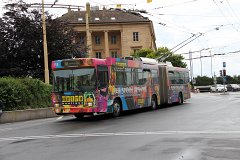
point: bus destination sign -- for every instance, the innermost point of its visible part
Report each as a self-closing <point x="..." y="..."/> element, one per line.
<point x="73" y="63"/>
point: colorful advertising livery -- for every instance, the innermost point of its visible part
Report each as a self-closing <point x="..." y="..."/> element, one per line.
<point x="112" y="85"/>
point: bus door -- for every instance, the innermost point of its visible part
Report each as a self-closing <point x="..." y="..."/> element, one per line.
<point x="102" y="87"/>
<point x="128" y="85"/>
<point x="147" y="82"/>
<point x="164" y="84"/>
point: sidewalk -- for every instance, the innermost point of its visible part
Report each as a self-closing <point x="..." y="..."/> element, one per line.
<point x="24" y="115"/>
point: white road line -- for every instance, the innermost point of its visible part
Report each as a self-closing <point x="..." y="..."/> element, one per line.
<point x="59" y="118"/>
<point x="114" y="134"/>
<point x="5" y="129"/>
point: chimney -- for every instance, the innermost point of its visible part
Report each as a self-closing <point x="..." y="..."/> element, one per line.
<point x="69" y="9"/>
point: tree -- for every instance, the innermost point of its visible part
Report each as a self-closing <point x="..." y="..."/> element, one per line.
<point x="142" y="52"/>
<point x="22" y="32"/>
<point x="203" y="81"/>
<point x="163" y="54"/>
<point x="3" y="47"/>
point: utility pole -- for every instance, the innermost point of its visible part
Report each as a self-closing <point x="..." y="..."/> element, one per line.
<point x="88" y="34"/>
<point x="224" y="77"/>
<point x="191" y="65"/>
<point x="46" y="71"/>
<point x="211" y="63"/>
<point x="201" y="62"/>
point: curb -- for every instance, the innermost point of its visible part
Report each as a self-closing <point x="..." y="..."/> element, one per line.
<point x="24" y="115"/>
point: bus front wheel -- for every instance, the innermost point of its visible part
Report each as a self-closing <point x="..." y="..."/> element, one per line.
<point x="116" y="108"/>
<point x="79" y="116"/>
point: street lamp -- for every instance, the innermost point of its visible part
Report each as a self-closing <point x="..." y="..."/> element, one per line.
<point x="46" y="71"/>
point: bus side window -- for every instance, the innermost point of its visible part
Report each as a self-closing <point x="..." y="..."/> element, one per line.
<point x="181" y="80"/>
<point x="102" y="72"/>
<point x="155" y="76"/>
<point x="146" y="76"/>
<point x="129" y="76"/>
<point x="139" y="77"/>
<point x="171" y="77"/>
<point x="120" y="78"/>
<point x="179" y="76"/>
<point x="186" y="78"/>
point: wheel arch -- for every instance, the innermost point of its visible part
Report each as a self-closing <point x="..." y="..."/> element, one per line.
<point x="182" y="97"/>
<point x="119" y="100"/>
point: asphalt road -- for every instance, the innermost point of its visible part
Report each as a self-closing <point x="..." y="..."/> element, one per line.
<point x="206" y="127"/>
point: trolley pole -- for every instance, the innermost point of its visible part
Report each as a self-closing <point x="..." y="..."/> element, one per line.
<point x="224" y="76"/>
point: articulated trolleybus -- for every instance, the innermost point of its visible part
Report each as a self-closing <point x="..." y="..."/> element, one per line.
<point x="91" y="86"/>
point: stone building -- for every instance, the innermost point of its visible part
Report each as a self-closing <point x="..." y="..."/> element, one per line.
<point x="112" y="33"/>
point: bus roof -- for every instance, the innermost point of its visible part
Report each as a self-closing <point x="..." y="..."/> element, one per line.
<point x="90" y="62"/>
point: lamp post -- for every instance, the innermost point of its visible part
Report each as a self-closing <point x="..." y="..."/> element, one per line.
<point x="191" y="65"/>
<point x="211" y="63"/>
<point x="46" y="71"/>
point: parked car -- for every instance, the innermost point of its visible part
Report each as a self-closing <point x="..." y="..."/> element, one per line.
<point x="218" y="88"/>
<point x="233" y="87"/>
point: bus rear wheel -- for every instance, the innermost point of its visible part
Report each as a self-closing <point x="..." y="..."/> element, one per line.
<point x="116" y="108"/>
<point x="180" y="98"/>
<point x="153" y="103"/>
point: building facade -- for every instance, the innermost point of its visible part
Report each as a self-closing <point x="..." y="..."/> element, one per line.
<point x="112" y="33"/>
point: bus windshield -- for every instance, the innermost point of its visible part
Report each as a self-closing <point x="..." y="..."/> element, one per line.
<point x="82" y="80"/>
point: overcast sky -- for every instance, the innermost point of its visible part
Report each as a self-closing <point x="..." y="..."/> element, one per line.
<point x="216" y="23"/>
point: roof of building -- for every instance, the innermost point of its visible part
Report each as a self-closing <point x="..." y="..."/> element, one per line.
<point x="104" y="16"/>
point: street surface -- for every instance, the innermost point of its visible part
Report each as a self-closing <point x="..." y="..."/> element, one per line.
<point x="206" y="127"/>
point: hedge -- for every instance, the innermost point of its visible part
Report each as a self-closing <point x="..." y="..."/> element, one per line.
<point x="24" y="93"/>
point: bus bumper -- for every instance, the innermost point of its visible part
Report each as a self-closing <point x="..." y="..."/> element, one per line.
<point x="73" y="110"/>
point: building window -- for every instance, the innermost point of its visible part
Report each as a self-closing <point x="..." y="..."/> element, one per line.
<point x="114" y="39"/>
<point x="113" y="18"/>
<point x="81" y="40"/>
<point x="135" y="50"/>
<point x="80" y="19"/>
<point x="98" y="55"/>
<point x="97" y="19"/>
<point x="135" y="36"/>
<point x="97" y="39"/>
<point x="114" y="54"/>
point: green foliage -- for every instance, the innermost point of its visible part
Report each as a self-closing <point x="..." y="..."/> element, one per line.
<point x="233" y="80"/>
<point x="21" y="41"/>
<point x="203" y="81"/>
<point x="142" y="52"/>
<point x="162" y="54"/>
<point x="24" y="93"/>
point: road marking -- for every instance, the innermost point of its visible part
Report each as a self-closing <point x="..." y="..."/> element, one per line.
<point x="5" y="129"/>
<point x="59" y="118"/>
<point x="114" y="134"/>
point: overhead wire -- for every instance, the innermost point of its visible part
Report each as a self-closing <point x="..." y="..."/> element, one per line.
<point x="184" y="29"/>
<point x="217" y="54"/>
<point x="234" y="13"/>
<point x="176" y="4"/>
<point x="204" y="49"/>
<point x="185" y="15"/>
<point x="189" y="40"/>
<point x="224" y="15"/>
